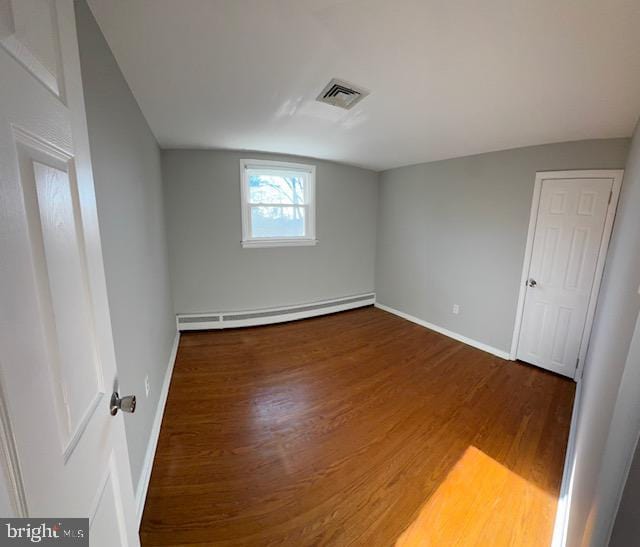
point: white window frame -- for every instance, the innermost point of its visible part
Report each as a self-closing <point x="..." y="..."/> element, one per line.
<point x="310" y="208"/>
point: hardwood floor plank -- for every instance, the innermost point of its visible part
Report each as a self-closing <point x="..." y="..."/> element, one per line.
<point x="358" y="428"/>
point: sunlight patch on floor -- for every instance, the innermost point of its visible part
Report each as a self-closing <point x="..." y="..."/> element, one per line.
<point x="477" y="504"/>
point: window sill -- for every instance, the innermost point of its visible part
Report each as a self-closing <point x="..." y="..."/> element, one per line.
<point x="255" y="243"/>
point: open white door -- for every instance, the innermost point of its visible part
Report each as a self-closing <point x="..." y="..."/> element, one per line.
<point x="66" y="455"/>
<point x="570" y="228"/>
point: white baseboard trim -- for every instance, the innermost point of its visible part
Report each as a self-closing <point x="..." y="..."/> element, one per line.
<point x="459" y="337"/>
<point x="561" y="524"/>
<point x="145" y="476"/>
<point x="268" y="316"/>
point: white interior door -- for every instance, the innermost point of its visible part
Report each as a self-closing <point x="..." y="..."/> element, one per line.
<point x="66" y="456"/>
<point x="572" y="227"/>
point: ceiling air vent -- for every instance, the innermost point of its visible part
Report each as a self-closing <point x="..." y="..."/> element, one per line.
<point x="341" y="94"/>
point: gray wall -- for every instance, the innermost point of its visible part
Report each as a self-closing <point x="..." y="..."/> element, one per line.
<point x="609" y="353"/>
<point x="622" y="443"/>
<point x="210" y="271"/>
<point x="627" y="522"/>
<point x="126" y="167"/>
<point x="627" y="526"/>
<point x="454" y="232"/>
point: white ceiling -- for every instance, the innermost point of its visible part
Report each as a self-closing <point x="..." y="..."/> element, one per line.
<point x="447" y="77"/>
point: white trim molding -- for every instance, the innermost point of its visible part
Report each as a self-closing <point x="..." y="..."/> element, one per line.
<point x="258" y="244"/>
<point x="147" y="466"/>
<point x="459" y="337"/>
<point x="616" y="177"/>
<point x="561" y="524"/>
<point x="268" y="316"/>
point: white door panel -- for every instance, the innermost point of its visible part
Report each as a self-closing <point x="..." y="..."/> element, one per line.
<point x="29" y="32"/>
<point x="108" y="524"/>
<point x="57" y="366"/>
<point x="568" y="235"/>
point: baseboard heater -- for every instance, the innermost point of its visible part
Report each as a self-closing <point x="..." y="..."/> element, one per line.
<point x="227" y="320"/>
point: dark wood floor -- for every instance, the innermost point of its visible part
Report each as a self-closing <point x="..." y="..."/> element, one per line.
<point x="357" y="428"/>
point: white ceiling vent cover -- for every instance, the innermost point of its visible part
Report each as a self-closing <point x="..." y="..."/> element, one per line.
<point x="342" y="94"/>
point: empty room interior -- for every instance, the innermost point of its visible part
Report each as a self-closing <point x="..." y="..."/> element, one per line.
<point x="320" y="272"/>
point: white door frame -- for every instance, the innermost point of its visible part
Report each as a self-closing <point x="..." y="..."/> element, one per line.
<point x="10" y="476"/>
<point x="541" y="176"/>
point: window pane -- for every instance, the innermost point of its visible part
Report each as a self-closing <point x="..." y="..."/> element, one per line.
<point x="277" y="222"/>
<point x="269" y="188"/>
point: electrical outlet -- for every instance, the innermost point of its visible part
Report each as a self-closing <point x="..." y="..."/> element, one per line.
<point x="147" y="386"/>
<point x="456" y="309"/>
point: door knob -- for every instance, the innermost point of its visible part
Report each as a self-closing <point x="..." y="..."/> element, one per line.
<point x="126" y="403"/>
<point x="531" y="282"/>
